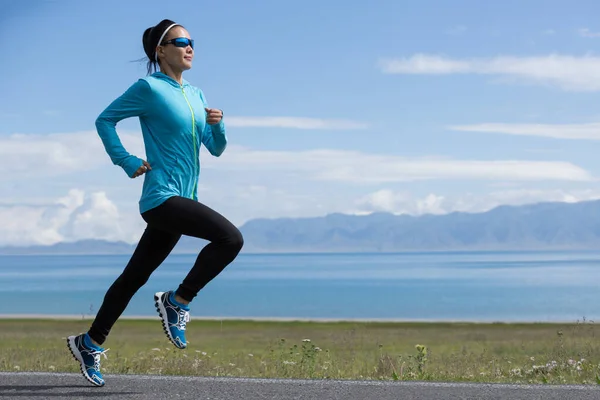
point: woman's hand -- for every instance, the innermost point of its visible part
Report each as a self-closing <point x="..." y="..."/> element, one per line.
<point x="213" y="116"/>
<point x="142" y="170"/>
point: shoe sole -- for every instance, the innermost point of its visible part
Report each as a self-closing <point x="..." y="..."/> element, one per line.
<point x="77" y="356"/>
<point x="162" y="311"/>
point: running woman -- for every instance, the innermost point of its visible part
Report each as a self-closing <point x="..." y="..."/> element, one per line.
<point x="175" y="120"/>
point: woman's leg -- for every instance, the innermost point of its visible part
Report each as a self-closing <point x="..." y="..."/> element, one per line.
<point x="154" y="246"/>
<point x="180" y="215"/>
<point x="152" y="249"/>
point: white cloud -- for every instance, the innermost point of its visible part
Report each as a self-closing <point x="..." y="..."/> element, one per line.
<point x="98" y="217"/>
<point x="80" y="215"/>
<point x="386" y="200"/>
<point x="239" y="202"/>
<point x="585" y="32"/>
<point x="563" y="71"/>
<point x="23" y="156"/>
<point x="27" y="155"/>
<point x="357" y="167"/>
<point x="76" y="216"/>
<point x="243" y="183"/>
<point x="426" y="64"/>
<point x="590" y="131"/>
<point x="293" y="122"/>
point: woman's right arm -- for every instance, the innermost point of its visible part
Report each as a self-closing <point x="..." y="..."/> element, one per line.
<point x="132" y="103"/>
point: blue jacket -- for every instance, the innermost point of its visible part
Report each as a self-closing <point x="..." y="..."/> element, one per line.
<point x="173" y="122"/>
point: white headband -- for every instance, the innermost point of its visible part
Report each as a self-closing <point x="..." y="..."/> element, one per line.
<point x="160" y="41"/>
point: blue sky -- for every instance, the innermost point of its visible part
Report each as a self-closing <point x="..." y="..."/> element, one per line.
<point x="355" y="107"/>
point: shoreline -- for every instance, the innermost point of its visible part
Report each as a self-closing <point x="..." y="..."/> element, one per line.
<point x="73" y="317"/>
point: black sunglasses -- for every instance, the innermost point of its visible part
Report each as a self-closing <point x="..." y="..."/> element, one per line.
<point x="181" y="42"/>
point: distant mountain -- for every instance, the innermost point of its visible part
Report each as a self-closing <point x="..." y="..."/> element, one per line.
<point x="535" y="226"/>
<point x="529" y="227"/>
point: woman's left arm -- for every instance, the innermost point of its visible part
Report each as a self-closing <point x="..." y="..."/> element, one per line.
<point x="214" y="137"/>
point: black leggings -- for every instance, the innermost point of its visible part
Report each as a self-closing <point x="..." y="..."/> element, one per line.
<point x="166" y="223"/>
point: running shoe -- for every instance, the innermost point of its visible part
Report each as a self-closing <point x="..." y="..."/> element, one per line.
<point x="88" y="356"/>
<point x="174" y="317"/>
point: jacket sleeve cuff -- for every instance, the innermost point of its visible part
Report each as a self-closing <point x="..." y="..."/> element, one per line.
<point x="131" y="165"/>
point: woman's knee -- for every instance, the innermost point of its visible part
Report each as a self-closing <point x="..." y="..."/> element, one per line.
<point x="235" y="240"/>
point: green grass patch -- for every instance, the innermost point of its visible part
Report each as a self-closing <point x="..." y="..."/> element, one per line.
<point x="517" y="353"/>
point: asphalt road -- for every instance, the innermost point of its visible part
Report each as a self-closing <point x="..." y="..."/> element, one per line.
<point x="73" y="386"/>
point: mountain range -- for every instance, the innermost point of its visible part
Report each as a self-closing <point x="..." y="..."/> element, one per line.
<point x="540" y="226"/>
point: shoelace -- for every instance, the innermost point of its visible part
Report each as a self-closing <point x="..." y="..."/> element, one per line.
<point x="97" y="354"/>
<point x="183" y="319"/>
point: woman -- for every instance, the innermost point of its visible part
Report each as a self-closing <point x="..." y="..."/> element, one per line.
<point x="175" y="120"/>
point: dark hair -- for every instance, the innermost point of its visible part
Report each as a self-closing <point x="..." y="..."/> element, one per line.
<point x="150" y="41"/>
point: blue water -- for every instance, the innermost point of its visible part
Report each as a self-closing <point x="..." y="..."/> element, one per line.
<point x="488" y="286"/>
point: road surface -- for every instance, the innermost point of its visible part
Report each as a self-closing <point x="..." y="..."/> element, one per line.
<point x="37" y="386"/>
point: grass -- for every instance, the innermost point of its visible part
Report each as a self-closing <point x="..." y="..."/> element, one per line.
<point x="516" y="353"/>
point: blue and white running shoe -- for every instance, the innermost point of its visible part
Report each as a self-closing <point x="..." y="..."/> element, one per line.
<point x="88" y="356"/>
<point x="174" y="317"/>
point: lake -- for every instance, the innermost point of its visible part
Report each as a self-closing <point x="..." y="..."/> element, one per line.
<point x="465" y="286"/>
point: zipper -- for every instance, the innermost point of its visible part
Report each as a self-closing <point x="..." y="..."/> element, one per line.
<point x="194" y="140"/>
